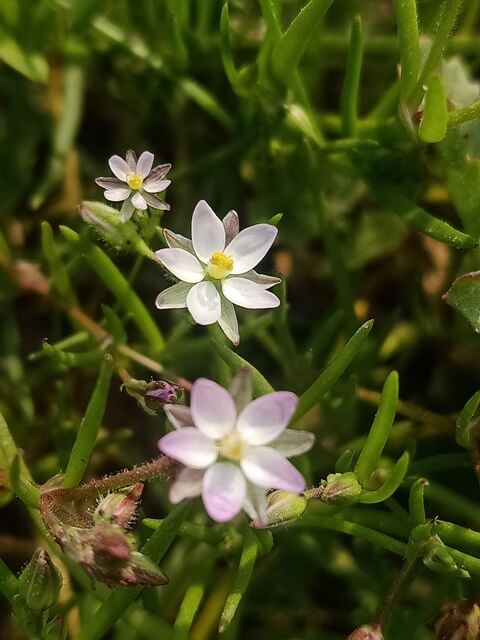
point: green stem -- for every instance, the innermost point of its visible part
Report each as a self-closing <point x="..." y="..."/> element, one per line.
<point x="464" y="114"/>
<point x="8" y="582"/>
<point x="416" y="504"/>
<point x="120" y="599"/>
<point x="351" y="84"/>
<point x="261" y="386"/>
<point x="406" y="574"/>
<point x="192" y="599"/>
<point x="89" y="427"/>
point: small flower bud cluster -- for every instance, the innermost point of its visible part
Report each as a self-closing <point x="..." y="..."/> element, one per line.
<point x="152" y="396"/>
<point x="458" y="620"/>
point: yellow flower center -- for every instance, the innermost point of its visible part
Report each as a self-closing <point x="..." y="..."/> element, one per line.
<point x="220" y="266"/>
<point x="134" y="180"/>
<point x="232" y="447"/>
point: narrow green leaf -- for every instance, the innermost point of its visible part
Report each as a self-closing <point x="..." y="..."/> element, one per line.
<point x="351" y="83"/>
<point x="31" y="64"/>
<point x="207" y="101"/>
<point x="88" y="430"/>
<point x="416" y="503"/>
<point x="226" y="50"/>
<point x="409" y="44"/>
<point x="291" y="46"/>
<point x="433" y="126"/>
<point x="391" y="484"/>
<point x="261" y="386"/>
<point x="24" y="489"/>
<point x="332" y="372"/>
<point x="467" y="419"/>
<point x="59" y="276"/>
<point x="372" y="449"/>
<point x="464" y="296"/>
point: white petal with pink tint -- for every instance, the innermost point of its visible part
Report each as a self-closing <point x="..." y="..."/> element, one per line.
<point x="228" y="321"/>
<point x="250" y="246"/>
<point x="190" y="447"/>
<point x="138" y="202"/>
<point x="145" y="163"/>
<point x="246" y="293"/>
<point x="156" y="187"/>
<point x="116" y="195"/>
<point x="223" y="491"/>
<point x="213" y="409"/>
<point x="179" y="415"/>
<point x="203" y="302"/>
<point x="188" y="484"/>
<point x="208" y="233"/>
<point x="267" y="468"/>
<point x="174" y="297"/>
<point x="293" y="443"/>
<point x="182" y="264"/>
<point x="119" y="167"/>
<point x="265" y="418"/>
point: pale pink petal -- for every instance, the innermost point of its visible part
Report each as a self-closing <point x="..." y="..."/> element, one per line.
<point x="145" y="163"/>
<point x="174" y="297"/>
<point x="190" y="447"/>
<point x="176" y="241"/>
<point x="212" y="407"/>
<point x="116" y="195"/>
<point x="138" y="202"/>
<point x="228" y="322"/>
<point x="208" y="234"/>
<point x="119" y="167"/>
<point x="203" y="302"/>
<point x="188" y="484"/>
<point x="156" y="187"/>
<point x="246" y="293"/>
<point x="131" y="160"/>
<point x="231" y="224"/>
<point x="182" y="264"/>
<point x="126" y="211"/>
<point x="179" y="415"/>
<point x="266" y="417"/>
<point x="157" y="173"/>
<point x="110" y="183"/>
<point x="155" y="202"/>
<point x="223" y="491"/>
<point x="267" y="468"/>
<point x="293" y="443"/>
<point x="255" y="503"/>
<point x="263" y="280"/>
<point x="250" y="246"/>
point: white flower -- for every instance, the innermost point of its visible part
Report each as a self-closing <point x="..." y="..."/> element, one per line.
<point x="136" y="183"/>
<point x="234" y="452"/>
<point x="216" y="269"/>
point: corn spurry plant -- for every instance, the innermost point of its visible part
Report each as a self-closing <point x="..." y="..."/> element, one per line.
<point x="146" y="486"/>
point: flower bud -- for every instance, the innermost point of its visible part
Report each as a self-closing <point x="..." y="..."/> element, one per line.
<point x="151" y="396"/>
<point x="119" y="508"/>
<point x="458" y="620"/>
<point x="39" y="583"/>
<point x="282" y="507"/>
<point x="367" y="632"/>
<point x="341" y="488"/>
<point x="105" y="221"/>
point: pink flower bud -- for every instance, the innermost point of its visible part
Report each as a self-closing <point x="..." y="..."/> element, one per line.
<point x="458" y="620"/>
<point x="119" y="508"/>
<point x="367" y="632"/>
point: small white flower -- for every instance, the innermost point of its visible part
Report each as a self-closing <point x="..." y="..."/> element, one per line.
<point x="232" y="452"/>
<point x="216" y="269"/>
<point x="136" y="183"/>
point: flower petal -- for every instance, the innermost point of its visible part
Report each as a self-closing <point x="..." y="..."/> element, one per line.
<point x="126" y="212"/>
<point x="203" y="302"/>
<point x="213" y="409"/>
<point x="246" y="293"/>
<point x="145" y="163"/>
<point x="223" y="491"/>
<point x="208" y="234"/>
<point x="293" y="443"/>
<point x="264" y="419"/>
<point x="261" y="279"/>
<point x="267" y="468"/>
<point x="176" y="241"/>
<point x="228" y="321"/>
<point x="131" y="160"/>
<point x="119" y="167"/>
<point x="110" y="183"/>
<point x="182" y="264"/>
<point x="188" y="484"/>
<point x="157" y="173"/>
<point x="179" y="415"/>
<point x="116" y="195"/>
<point x="138" y="202"/>
<point x="255" y="503"/>
<point x="190" y="447"/>
<point x="174" y="297"/>
<point x="231" y="224"/>
<point x="155" y="202"/>
<point x="250" y="246"/>
<point x="156" y="186"/>
<point x="241" y="388"/>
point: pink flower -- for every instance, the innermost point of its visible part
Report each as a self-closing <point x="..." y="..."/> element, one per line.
<point x="216" y="269"/>
<point x="234" y="449"/>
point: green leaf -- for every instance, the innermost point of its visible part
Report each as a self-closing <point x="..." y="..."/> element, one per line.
<point x="433" y="125"/>
<point x="391" y="484"/>
<point x="30" y="64"/>
<point x="467" y="419"/>
<point x="58" y="273"/>
<point x="291" y="46"/>
<point x="261" y="386"/>
<point x="351" y="83"/>
<point x="464" y="296"/>
<point x="409" y="44"/>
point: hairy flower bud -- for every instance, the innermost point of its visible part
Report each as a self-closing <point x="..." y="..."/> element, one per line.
<point x="341" y="488"/>
<point x="39" y="583"/>
<point x="458" y="620"/>
<point x="367" y="632"/>
<point x="283" y="507"/>
<point x="119" y="508"/>
<point x="152" y="396"/>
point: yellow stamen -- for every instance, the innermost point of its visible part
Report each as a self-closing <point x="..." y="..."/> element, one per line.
<point x="134" y="180"/>
<point x="232" y="447"/>
<point x="220" y="265"/>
